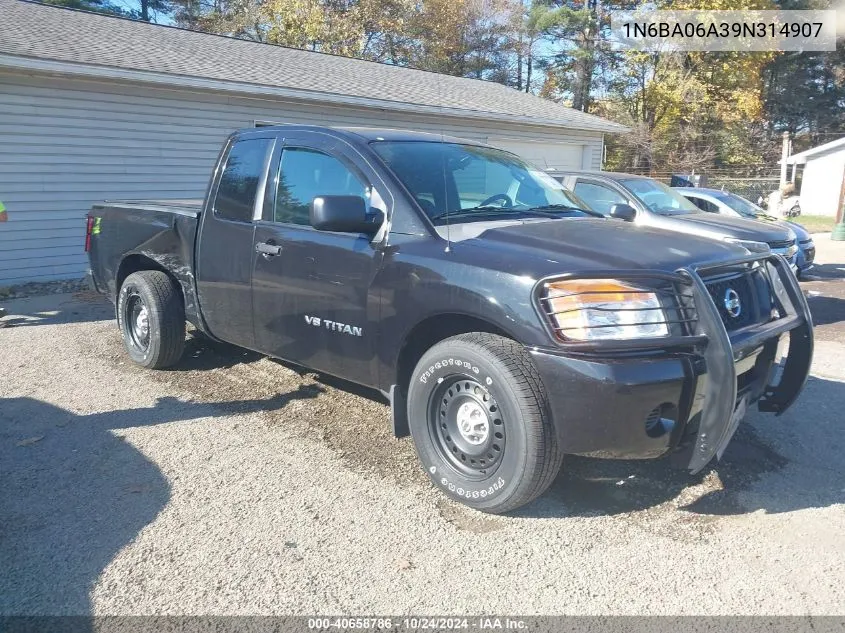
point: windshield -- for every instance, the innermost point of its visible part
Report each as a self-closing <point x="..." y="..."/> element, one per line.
<point x="659" y="198"/>
<point x="738" y="204"/>
<point x="468" y="181"/>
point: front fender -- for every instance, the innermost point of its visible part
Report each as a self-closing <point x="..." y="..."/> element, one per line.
<point x="418" y="296"/>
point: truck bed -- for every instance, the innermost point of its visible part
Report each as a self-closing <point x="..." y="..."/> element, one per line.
<point x="131" y="235"/>
<point x="186" y="206"/>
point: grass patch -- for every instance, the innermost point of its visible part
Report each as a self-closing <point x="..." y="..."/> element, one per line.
<point x="816" y="223"/>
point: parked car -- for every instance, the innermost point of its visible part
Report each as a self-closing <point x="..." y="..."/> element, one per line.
<point x="648" y="202"/>
<point x="730" y="204"/>
<point x="505" y="326"/>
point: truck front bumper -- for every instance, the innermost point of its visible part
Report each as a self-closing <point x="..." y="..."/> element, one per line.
<point x="621" y="402"/>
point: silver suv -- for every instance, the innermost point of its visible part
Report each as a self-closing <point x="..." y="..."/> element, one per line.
<point x="647" y="202"/>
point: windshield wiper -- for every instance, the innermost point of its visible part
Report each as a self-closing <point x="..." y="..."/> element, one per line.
<point x="545" y="211"/>
<point x="564" y="207"/>
<point x="470" y="211"/>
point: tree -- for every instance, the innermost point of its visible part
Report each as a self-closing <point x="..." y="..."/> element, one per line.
<point x="658" y="96"/>
<point x="805" y="93"/>
<point x="530" y="28"/>
<point x="148" y="10"/>
<point x="97" y="6"/>
<point x="468" y="38"/>
<point x="237" y="18"/>
<point x="691" y="110"/>
<point x="584" y="59"/>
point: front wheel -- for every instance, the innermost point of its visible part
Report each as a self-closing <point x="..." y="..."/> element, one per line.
<point x="151" y="318"/>
<point x="479" y="418"/>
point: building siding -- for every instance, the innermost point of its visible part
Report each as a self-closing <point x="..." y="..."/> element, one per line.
<point x="66" y="143"/>
<point x="821" y="183"/>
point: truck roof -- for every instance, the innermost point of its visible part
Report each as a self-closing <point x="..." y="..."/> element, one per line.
<point x="369" y="133"/>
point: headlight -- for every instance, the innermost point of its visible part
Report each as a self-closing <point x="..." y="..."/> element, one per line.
<point x="599" y="309"/>
<point x="751" y="245"/>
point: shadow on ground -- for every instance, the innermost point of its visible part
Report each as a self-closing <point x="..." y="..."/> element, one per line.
<point x="204" y="354"/>
<point x="825" y="272"/>
<point x="80" y="307"/>
<point x="826" y="310"/>
<point x="74" y="493"/>
<point x="775" y="464"/>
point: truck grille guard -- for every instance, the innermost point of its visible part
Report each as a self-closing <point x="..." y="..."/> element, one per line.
<point x="704" y="330"/>
<point x="794" y="317"/>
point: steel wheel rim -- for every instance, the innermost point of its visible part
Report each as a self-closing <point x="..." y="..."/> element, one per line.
<point x="137" y="320"/>
<point x="466" y="426"/>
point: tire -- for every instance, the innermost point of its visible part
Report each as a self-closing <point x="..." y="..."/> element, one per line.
<point x="150" y="298"/>
<point x="507" y="453"/>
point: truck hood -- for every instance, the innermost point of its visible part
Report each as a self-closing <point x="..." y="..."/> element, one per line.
<point x="726" y="226"/>
<point x="800" y="232"/>
<point x="591" y="244"/>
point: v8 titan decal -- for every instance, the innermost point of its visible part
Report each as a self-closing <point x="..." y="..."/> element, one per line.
<point x="334" y="326"/>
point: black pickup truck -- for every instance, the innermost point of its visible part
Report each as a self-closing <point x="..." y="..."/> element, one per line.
<point x="506" y="324"/>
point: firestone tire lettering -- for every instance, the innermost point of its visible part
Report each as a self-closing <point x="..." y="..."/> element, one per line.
<point x="530" y="458"/>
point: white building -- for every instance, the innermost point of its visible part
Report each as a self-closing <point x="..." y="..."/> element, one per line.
<point x="821" y="183"/>
<point x="95" y="107"/>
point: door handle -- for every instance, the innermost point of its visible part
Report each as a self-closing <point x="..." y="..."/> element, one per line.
<point x="268" y="249"/>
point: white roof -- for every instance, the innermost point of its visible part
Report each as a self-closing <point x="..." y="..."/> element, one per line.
<point x="801" y="157"/>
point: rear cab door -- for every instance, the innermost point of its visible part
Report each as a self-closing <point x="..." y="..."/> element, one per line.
<point x="224" y="255"/>
<point x="312" y="291"/>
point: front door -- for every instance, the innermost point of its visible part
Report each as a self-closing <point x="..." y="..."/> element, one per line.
<point x="311" y="289"/>
<point x="599" y="196"/>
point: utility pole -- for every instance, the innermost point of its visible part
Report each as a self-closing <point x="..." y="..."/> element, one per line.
<point x="839" y="230"/>
<point x="784" y="154"/>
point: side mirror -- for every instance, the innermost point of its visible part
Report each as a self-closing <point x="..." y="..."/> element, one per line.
<point x="623" y="212"/>
<point x="344" y="214"/>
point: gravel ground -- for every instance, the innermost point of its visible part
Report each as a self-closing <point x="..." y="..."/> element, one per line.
<point x="36" y="288"/>
<point x="234" y="484"/>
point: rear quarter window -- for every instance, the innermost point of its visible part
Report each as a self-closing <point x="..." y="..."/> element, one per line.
<point x="239" y="181"/>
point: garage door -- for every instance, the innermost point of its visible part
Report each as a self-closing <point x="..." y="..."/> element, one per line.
<point x="544" y="154"/>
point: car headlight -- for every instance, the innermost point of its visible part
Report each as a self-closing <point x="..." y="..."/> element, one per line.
<point x="751" y="245"/>
<point x="600" y="309"/>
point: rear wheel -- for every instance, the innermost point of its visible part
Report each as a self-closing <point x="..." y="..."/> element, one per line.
<point x="480" y="421"/>
<point x="151" y="318"/>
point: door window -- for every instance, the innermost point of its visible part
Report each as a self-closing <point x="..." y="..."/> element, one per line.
<point x="599" y="197"/>
<point x="704" y="205"/>
<point x="305" y="174"/>
<point x="239" y="182"/>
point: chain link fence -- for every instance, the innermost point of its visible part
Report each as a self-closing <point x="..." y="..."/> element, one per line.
<point x="751" y="188"/>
